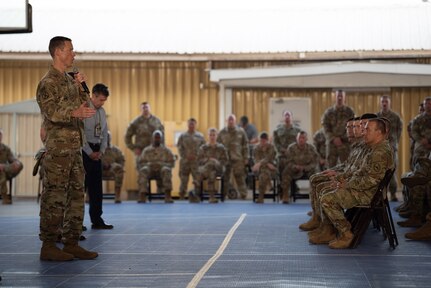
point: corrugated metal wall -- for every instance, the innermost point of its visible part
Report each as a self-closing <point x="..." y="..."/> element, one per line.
<point x="180" y="90"/>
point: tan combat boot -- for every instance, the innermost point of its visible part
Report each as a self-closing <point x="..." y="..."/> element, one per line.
<point x="182" y="195"/>
<point x="415" y="220"/>
<point x="316" y="231"/>
<point x="212" y="199"/>
<point x="50" y="252"/>
<point x="423" y="233"/>
<point x="142" y="198"/>
<point x="311" y="224"/>
<point x="285" y="199"/>
<point x="117" y="195"/>
<point x="168" y="198"/>
<point x="6" y="198"/>
<point x="327" y="235"/>
<point x="343" y="241"/>
<point x="261" y="198"/>
<point x="79" y="252"/>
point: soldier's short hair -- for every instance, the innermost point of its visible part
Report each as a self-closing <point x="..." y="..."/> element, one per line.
<point x="244" y="120"/>
<point x="192" y="120"/>
<point x="387" y="124"/>
<point x="144" y="103"/>
<point x="340" y="91"/>
<point x="381" y="124"/>
<point x="57" y="42"/>
<point x="212" y="129"/>
<point x="100" y="88"/>
<point x="263" y="135"/>
<point x="302" y="132"/>
<point x="286" y="110"/>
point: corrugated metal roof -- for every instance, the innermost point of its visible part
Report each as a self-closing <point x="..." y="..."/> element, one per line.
<point x="130" y="26"/>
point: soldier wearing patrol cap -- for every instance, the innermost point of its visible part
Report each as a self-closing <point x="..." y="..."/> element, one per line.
<point x="156" y="161"/>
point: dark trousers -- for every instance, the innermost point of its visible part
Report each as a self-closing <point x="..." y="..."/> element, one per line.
<point x="93" y="186"/>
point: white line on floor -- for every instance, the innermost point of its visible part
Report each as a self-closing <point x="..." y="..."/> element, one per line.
<point x="195" y="281"/>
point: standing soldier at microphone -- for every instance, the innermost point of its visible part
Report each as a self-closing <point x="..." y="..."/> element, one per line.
<point x="63" y="105"/>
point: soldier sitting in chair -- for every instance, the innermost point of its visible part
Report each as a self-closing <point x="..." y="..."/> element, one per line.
<point x="10" y="167"/>
<point x="156" y="161"/>
<point x="265" y="167"/>
<point x="212" y="160"/>
<point x="113" y="166"/>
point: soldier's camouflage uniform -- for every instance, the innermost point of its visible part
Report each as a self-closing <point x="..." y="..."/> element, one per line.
<point x="421" y="129"/>
<point x="283" y="136"/>
<point x="396" y="127"/>
<point x="265" y="154"/>
<point x="321" y="183"/>
<point x="156" y="162"/>
<point x="359" y="188"/>
<point x="113" y="165"/>
<point x="319" y="142"/>
<point x="419" y="194"/>
<point x="63" y="182"/>
<point x="139" y="132"/>
<point x="236" y="143"/>
<point x="334" y="123"/>
<point x="9" y="172"/>
<point x="188" y="145"/>
<point x="212" y="161"/>
<point x="295" y="155"/>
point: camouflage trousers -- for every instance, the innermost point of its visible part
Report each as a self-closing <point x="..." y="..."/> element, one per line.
<point x="62" y="199"/>
<point x="315" y="189"/>
<point x="163" y="176"/>
<point x="418" y="199"/>
<point x="117" y="172"/>
<point x="208" y="171"/>
<point x="290" y="174"/>
<point x="237" y="168"/>
<point x="264" y="178"/>
<point x="335" y="153"/>
<point x="334" y="202"/>
<point x="8" y="173"/>
<point x="187" y="168"/>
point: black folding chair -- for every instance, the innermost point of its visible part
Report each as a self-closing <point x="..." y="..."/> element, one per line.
<point x="378" y="212"/>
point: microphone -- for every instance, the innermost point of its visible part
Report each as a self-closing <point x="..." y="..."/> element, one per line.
<point x="83" y="84"/>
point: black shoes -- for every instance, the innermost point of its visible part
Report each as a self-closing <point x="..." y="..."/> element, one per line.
<point x="102" y="226"/>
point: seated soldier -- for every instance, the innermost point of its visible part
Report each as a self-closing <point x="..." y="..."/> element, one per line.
<point x="302" y="159"/>
<point x="113" y="166"/>
<point x="321" y="182"/>
<point x="418" y="184"/>
<point x="265" y="168"/>
<point x="212" y="160"/>
<point x="156" y="161"/>
<point x="358" y="189"/>
<point x="10" y="167"/>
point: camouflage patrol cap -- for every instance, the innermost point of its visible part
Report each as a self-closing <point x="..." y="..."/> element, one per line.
<point x="368" y="116"/>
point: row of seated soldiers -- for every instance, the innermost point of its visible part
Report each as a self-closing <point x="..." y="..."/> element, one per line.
<point x="212" y="159"/>
<point x="351" y="183"/>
